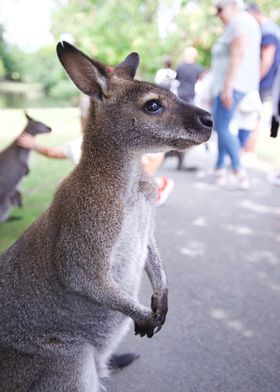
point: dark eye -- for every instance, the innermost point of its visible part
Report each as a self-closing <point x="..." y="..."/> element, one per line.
<point x="153" y="106"/>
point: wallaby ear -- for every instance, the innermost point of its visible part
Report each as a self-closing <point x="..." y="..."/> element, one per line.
<point x="127" y="69"/>
<point x="90" y="76"/>
<point x="28" y="117"/>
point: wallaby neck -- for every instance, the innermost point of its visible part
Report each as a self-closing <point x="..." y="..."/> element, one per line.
<point x="101" y="159"/>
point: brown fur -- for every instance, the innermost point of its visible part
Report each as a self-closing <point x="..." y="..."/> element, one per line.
<point x="69" y="285"/>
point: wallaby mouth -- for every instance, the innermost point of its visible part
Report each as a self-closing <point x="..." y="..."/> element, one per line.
<point x="190" y="140"/>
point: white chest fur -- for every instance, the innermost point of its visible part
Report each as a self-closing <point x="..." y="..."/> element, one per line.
<point x="130" y="251"/>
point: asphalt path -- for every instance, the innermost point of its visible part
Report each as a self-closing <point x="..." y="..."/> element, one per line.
<point x="221" y="249"/>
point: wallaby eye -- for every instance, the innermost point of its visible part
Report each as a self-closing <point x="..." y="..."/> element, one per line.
<point x="153" y="106"/>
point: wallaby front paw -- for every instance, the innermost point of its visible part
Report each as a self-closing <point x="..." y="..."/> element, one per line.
<point x="146" y="326"/>
<point x="159" y="307"/>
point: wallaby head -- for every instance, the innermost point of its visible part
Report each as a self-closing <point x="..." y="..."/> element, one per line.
<point x="34" y="127"/>
<point x="134" y="115"/>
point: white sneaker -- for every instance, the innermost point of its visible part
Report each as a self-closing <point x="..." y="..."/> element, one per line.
<point x="221" y="177"/>
<point x="217" y="176"/>
<point x="240" y="180"/>
<point x="165" y="187"/>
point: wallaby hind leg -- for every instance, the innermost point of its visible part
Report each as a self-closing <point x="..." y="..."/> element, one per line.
<point x="118" y="362"/>
<point x="181" y="156"/>
<point x="5" y="208"/>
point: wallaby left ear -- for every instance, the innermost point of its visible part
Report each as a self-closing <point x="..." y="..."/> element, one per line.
<point x="127" y="69"/>
<point x="28" y="117"/>
<point x="90" y="76"/>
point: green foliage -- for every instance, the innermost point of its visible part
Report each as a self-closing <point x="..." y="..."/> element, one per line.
<point x="109" y="30"/>
<point x="2" y="70"/>
<point x="12" y="60"/>
<point x="63" y="90"/>
<point x="43" y="67"/>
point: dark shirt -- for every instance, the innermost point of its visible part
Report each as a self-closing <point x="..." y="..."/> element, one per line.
<point x="270" y="36"/>
<point x="187" y="74"/>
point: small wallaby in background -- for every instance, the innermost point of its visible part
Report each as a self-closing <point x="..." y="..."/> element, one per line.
<point x="13" y="167"/>
<point x="70" y="283"/>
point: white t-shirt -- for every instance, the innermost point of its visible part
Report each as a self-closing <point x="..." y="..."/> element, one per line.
<point x="247" y="78"/>
<point x="249" y="111"/>
<point x="169" y="75"/>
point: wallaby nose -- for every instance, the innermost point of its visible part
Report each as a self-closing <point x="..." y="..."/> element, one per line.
<point x="206" y="120"/>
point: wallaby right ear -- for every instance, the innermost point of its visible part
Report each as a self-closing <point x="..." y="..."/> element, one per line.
<point x="90" y="76"/>
<point x="128" y="67"/>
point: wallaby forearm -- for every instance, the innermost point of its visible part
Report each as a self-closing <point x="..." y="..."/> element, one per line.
<point x="156" y="274"/>
<point x="104" y="291"/>
<point x="155" y="269"/>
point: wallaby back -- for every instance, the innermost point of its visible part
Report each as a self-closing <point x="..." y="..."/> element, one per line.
<point x="69" y="285"/>
<point x="14" y="166"/>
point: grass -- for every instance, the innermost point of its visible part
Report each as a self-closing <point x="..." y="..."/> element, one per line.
<point x="45" y="174"/>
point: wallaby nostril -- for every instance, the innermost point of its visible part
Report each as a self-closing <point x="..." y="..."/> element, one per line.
<point x="206" y="121"/>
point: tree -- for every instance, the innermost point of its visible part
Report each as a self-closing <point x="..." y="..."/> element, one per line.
<point x="12" y="62"/>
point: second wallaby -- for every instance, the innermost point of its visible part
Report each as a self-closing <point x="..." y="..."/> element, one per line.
<point x="69" y="285"/>
<point x="14" y="165"/>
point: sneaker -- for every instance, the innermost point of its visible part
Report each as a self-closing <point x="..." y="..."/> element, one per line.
<point x="240" y="180"/>
<point x="217" y="176"/>
<point x="220" y="177"/>
<point x="165" y="187"/>
<point x="274" y="178"/>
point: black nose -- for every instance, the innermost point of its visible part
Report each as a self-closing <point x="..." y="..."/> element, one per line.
<point x="206" y="120"/>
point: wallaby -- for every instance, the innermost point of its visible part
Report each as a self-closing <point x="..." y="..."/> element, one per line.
<point x="69" y="285"/>
<point x="13" y="167"/>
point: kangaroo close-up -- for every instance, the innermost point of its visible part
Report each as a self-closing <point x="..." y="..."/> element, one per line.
<point x="14" y="165"/>
<point x="69" y="285"/>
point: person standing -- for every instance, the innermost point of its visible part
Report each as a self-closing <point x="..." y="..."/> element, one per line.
<point x="166" y="77"/>
<point x="270" y="50"/>
<point x="235" y="72"/>
<point x="188" y="74"/>
<point x="270" y="61"/>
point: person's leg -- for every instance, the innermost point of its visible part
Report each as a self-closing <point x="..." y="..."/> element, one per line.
<point x="243" y="136"/>
<point x="227" y="142"/>
<point x="251" y="144"/>
<point x="217" y="126"/>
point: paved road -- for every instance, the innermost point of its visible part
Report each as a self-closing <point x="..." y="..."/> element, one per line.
<point x="222" y="254"/>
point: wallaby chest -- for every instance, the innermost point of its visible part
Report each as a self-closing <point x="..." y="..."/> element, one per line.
<point x="130" y="249"/>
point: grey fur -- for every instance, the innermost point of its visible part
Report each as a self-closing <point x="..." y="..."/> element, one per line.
<point x="69" y="285"/>
<point x="13" y="167"/>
